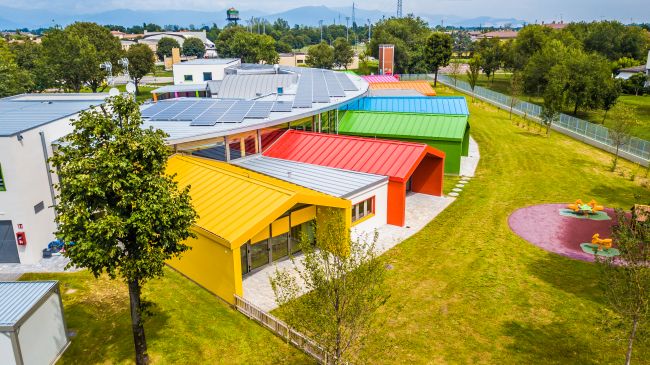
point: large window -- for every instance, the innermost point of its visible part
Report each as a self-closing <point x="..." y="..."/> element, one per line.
<point x="363" y="209"/>
<point x="207" y="76"/>
<point x="2" y="181"/>
<point x="279" y="246"/>
<point x="188" y="78"/>
<point x="304" y="230"/>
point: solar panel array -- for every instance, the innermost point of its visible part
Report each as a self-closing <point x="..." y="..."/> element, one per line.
<point x="346" y="83"/>
<point x="318" y="86"/>
<point x="282" y="106"/>
<point x="303" y="98"/>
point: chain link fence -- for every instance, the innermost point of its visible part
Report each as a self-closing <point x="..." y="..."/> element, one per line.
<point x="636" y="149"/>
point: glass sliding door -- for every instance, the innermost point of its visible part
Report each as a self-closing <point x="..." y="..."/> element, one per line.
<point x="259" y="254"/>
<point x="279" y="246"/>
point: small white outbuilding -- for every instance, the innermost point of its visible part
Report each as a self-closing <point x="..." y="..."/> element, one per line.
<point x="32" y="326"/>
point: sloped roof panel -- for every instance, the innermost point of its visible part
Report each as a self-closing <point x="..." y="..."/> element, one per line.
<point x="18" y="297"/>
<point x="375" y="156"/>
<point x="451" y="105"/>
<point x="423" y="87"/>
<point x="379" y="78"/>
<point x="404" y="125"/>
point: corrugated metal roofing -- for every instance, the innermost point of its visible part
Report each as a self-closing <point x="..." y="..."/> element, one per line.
<point x="379" y="78"/>
<point x="404" y="125"/>
<point x="18" y="297"/>
<point x="450" y="105"/>
<point x="393" y="92"/>
<point x="22" y="114"/>
<point x="335" y="182"/>
<point x="234" y="203"/>
<point x="375" y="156"/>
<point x="423" y="87"/>
<point x="251" y="86"/>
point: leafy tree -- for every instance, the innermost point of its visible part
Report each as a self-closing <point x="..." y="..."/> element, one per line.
<point x="437" y="52"/>
<point x="345" y="291"/>
<point x="473" y="71"/>
<point x="516" y="90"/>
<point x="212" y="33"/>
<point x="554" y="97"/>
<point x="282" y="47"/>
<point x="320" y="56"/>
<point x="125" y="216"/>
<point x="194" y="47"/>
<point x="408" y="34"/>
<point x="71" y="59"/>
<point x="164" y="47"/>
<point x="343" y="53"/>
<point x="612" y="39"/>
<point x="529" y="41"/>
<point x="537" y="69"/>
<point x="13" y="79"/>
<point x="635" y="84"/>
<point x="491" y="53"/>
<point x="621" y="128"/>
<point x="454" y="69"/>
<point x="609" y="96"/>
<point x="589" y="74"/>
<point x="626" y="278"/>
<point x="141" y="62"/>
<point x="624" y="62"/>
<point x="107" y="48"/>
<point x="235" y="41"/>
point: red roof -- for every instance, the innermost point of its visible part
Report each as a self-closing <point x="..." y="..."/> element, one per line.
<point x="394" y="159"/>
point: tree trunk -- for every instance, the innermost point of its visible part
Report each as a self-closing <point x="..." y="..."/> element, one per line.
<point x="615" y="157"/>
<point x="435" y="79"/>
<point x="141" y="357"/>
<point x="605" y="116"/>
<point x="628" y="356"/>
<point x="575" y="109"/>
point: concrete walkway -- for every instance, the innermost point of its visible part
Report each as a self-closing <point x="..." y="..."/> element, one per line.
<point x="420" y="210"/>
<point x="468" y="164"/>
<point x="11" y="272"/>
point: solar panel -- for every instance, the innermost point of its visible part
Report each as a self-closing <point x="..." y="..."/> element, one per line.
<point x="155" y="109"/>
<point x="195" y="110"/>
<point x="211" y="116"/>
<point x="333" y="85"/>
<point x="345" y="81"/>
<point x="320" y="92"/>
<point x="261" y="109"/>
<point x="237" y="112"/>
<point x="304" y="92"/>
<point x="282" y="106"/>
<point x="175" y="109"/>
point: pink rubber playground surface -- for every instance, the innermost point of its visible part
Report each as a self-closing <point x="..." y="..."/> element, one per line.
<point x="544" y="227"/>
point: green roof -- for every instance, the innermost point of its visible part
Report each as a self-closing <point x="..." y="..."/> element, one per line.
<point x="405" y="125"/>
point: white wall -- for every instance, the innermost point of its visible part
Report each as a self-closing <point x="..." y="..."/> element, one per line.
<point x="197" y="70"/>
<point x="368" y="226"/>
<point x="25" y="175"/>
<point x="42" y="336"/>
<point x="7" y="356"/>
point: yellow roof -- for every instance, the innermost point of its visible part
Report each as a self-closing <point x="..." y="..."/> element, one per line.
<point x="234" y="203"/>
<point x="421" y="86"/>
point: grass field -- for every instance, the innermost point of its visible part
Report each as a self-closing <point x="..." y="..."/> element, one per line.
<point x="189" y="326"/>
<point x="467" y="290"/>
<point x="501" y="84"/>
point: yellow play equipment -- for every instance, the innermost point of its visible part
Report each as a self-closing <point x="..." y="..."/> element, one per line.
<point x="603" y="243"/>
<point x="589" y="208"/>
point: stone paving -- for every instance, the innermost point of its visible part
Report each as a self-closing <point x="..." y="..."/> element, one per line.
<point x="10" y="272"/>
<point x="420" y="210"/>
<point x="468" y="164"/>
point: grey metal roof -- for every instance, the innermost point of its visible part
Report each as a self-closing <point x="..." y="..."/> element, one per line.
<point x="209" y="61"/>
<point x="251" y="86"/>
<point x="18" y="297"/>
<point x="335" y="182"/>
<point x="180" y="88"/>
<point x="24" y="112"/>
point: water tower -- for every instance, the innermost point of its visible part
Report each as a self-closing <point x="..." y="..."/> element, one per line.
<point x="232" y="15"/>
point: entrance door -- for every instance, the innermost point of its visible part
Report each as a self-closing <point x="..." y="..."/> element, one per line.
<point x="8" y="248"/>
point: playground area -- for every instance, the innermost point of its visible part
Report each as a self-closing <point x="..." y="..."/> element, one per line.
<point x="571" y="230"/>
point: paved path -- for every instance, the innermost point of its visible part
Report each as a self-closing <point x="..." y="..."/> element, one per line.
<point x="420" y="210"/>
<point x="468" y="164"/>
<point x="10" y="272"/>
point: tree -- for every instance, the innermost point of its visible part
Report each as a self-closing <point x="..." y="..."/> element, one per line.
<point x="536" y="71"/>
<point x="474" y="71"/>
<point x="454" y="70"/>
<point x="29" y="57"/>
<point x="117" y="209"/>
<point x="491" y="53"/>
<point x="554" y="97"/>
<point x="621" y="129"/>
<point x="194" y="47"/>
<point x="343" y="53"/>
<point x="320" y="56"/>
<point x="609" y="96"/>
<point x="437" y="52"/>
<point x="235" y="41"/>
<point x="107" y="48"/>
<point x="165" y="46"/>
<point x="516" y="89"/>
<point x="13" y="79"/>
<point x="282" y="47"/>
<point x="408" y="34"/>
<point x="71" y="59"/>
<point x="635" y="84"/>
<point x="345" y="290"/>
<point x="141" y="62"/>
<point x="626" y="278"/>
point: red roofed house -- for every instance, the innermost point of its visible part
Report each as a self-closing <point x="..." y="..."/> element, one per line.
<point x="409" y="166"/>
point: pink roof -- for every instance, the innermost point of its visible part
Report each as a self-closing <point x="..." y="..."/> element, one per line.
<point x="394" y="159"/>
<point x="380" y="78"/>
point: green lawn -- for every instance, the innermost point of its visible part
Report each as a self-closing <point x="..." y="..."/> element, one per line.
<point x="467" y="290"/>
<point x="189" y="326"/>
<point x="501" y="83"/>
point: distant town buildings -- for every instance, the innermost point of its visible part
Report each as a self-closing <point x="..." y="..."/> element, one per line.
<point x="151" y="39"/>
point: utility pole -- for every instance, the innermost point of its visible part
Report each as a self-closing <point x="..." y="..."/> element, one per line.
<point x="399" y="8"/>
<point x="320" y="24"/>
<point x="347" y="28"/>
<point x="369" y="30"/>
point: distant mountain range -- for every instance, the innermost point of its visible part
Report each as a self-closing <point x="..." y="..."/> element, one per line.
<point x="12" y="18"/>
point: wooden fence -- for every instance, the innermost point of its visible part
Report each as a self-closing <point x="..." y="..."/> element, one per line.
<point x="302" y="342"/>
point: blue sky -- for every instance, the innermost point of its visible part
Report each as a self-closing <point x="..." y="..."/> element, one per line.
<point x="529" y="10"/>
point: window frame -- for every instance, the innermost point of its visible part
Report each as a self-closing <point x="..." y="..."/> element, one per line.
<point x="188" y="77"/>
<point x="207" y="73"/>
<point x="368" y="206"/>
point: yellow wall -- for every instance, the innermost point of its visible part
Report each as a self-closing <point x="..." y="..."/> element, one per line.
<point x="211" y="265"/>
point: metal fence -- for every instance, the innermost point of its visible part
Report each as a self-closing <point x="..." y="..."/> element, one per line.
<point x="636" y="149"/>
<point x="302" y="342"/>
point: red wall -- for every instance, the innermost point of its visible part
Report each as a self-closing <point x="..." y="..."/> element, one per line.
<point x="396" y="203"/>
<point x="428" y="176"/>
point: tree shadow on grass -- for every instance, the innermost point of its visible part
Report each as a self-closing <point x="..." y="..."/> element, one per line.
<point x="621" y="193"/>
<point x="554" y="343"/>
<point x="574" y="277"/>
